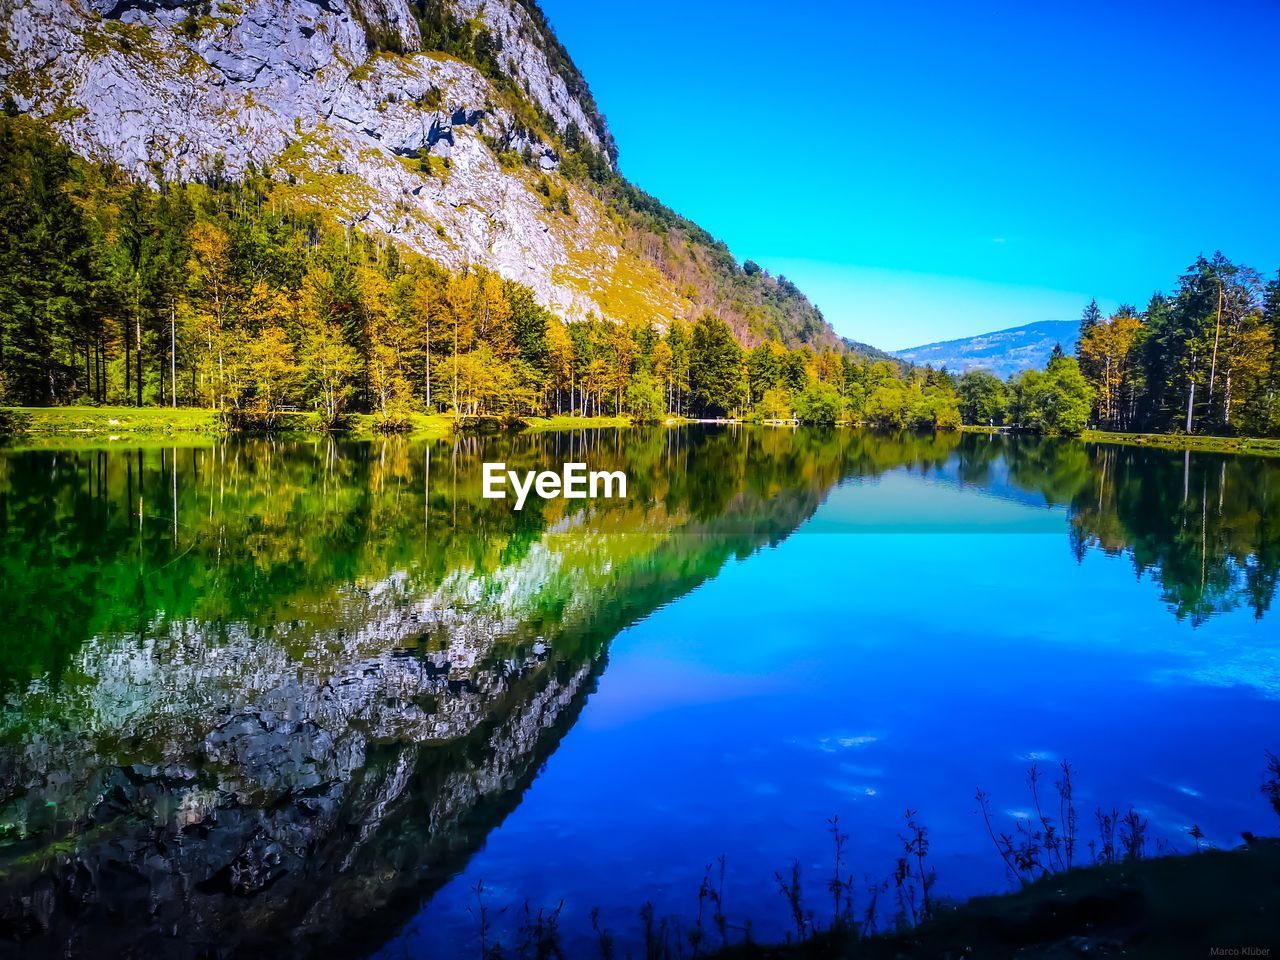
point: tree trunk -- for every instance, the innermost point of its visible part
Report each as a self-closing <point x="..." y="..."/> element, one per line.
<point x="428" y="368"/>
<point x="173" y="353"/>
<point x="128" y="366"/>
<point x="1217" y="329"/>
<point x="456" y="411"/>
<point x="1110" y="406"/>
<point x="137" y="326"/>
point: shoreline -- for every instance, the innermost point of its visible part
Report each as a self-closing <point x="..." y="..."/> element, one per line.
<point x="1191" y="443"/>
<point x="1179" y="442"/>
<point x="116" y="424"/>
<point x="1180" y="904"/>
<point x="59" y="426"/>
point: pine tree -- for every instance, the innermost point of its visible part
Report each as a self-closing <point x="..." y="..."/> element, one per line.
<point x="715" y="367"/>
<point x="1091" y="317"/>
<point x="47" y="269"/>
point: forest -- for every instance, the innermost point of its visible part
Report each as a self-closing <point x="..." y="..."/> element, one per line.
<point x="214" y="294"/>
<point x="1202" y="360"/>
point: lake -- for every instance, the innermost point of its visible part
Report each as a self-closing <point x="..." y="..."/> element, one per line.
<point x="323" y="696"/>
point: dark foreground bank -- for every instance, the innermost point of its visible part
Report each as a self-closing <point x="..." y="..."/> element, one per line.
<point x="1214" y="903"/>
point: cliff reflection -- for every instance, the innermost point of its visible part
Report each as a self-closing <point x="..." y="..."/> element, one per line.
<point x="271" y="695"/>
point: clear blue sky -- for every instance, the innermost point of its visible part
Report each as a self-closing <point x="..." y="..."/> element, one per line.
<point x="930" y="170"/>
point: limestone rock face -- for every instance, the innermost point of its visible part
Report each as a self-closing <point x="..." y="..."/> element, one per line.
<point x="526" y="59"/>
<point x="179" y="88"/>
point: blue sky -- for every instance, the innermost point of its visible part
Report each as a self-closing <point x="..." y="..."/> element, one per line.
<point x="932" y="170"/>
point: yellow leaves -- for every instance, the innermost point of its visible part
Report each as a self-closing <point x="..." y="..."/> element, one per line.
<point x="375" y="293"/>
<point x="1112" y="339"/>
<point x="1245" y="359"/>
<point x="460" y="308"/>
<point x="623" y="348"/>
<point x="421" y="298"/>
<point x="662" y="361"/>
<point x="596" y="376"/>
<point x="1106" y="350"/>
<point x="560" y="349"/>
<point x="775" y="404"/>
<point x="386" y="377"/>
<point x="494" y="324"/>
<point x="828" y="367"/>
<point x="268" y="306"/>
<point x="387" y="335"/>
<point x="313" y="297"/>
<point x="328" y="362"/>
<point x="487" y="384"/>
<point x="211" y="252"/>
<point x="477" y="379"/>
<point x="270" y="367"/>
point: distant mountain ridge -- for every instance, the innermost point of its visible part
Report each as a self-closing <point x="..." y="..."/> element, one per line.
<point x="1003" y="352"/>
<point x="866" y="350"/>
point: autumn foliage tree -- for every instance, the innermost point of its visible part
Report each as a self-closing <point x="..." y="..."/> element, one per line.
<point x="220" y="293"/>
<point x="1107" y="349"/>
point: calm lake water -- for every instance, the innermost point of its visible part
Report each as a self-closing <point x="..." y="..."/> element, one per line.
<point x="311" y="695"/>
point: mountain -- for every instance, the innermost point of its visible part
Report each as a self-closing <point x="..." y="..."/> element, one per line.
<point x="1002" y="352"/>
<point x="867" y="350"/>
<point x="461" y="129"/>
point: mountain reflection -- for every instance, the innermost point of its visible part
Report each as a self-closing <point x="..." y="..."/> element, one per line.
<point x="265" y="694"/>
<point x="273" y="694"/>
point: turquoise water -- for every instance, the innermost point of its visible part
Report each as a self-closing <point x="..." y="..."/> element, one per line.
<point x="914" y="640"/>
<point x="324" y="697"/>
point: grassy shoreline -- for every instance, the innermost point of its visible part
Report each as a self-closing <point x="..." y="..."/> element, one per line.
<point x="1192" y="442"/>
<point x="565" y="422"/>
<point x="45" y="425"/>
<point x="1255" y="446"/>
<point x="94" y="426"/>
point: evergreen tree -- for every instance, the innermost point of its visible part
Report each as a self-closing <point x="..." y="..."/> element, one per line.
<point x="1090" y="318"/>
<point x="715" y="367"/>
<point x="217" y="293"/>
<point x="47" y="270"/>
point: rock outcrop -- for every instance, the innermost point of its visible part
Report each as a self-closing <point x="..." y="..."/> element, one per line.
<point x="338" y="101"/>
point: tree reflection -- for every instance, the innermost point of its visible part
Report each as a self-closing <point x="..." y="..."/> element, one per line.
<point x="1206" y="526"/>
<point x="286" y="688"/>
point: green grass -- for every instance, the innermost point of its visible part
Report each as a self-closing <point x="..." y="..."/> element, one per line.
<point x="1193" y="442"/>
<point x="564" y="422"/>
<point x="105" y="424"/>
<point x="1256" y="446"/>
<point x="89" y="441"/>
<point x="94" y="426"/>
<point x="120" y="421"/>
<point x="422" y="426"/>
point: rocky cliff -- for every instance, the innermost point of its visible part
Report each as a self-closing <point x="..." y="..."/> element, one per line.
<point x="441" y="124"/>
